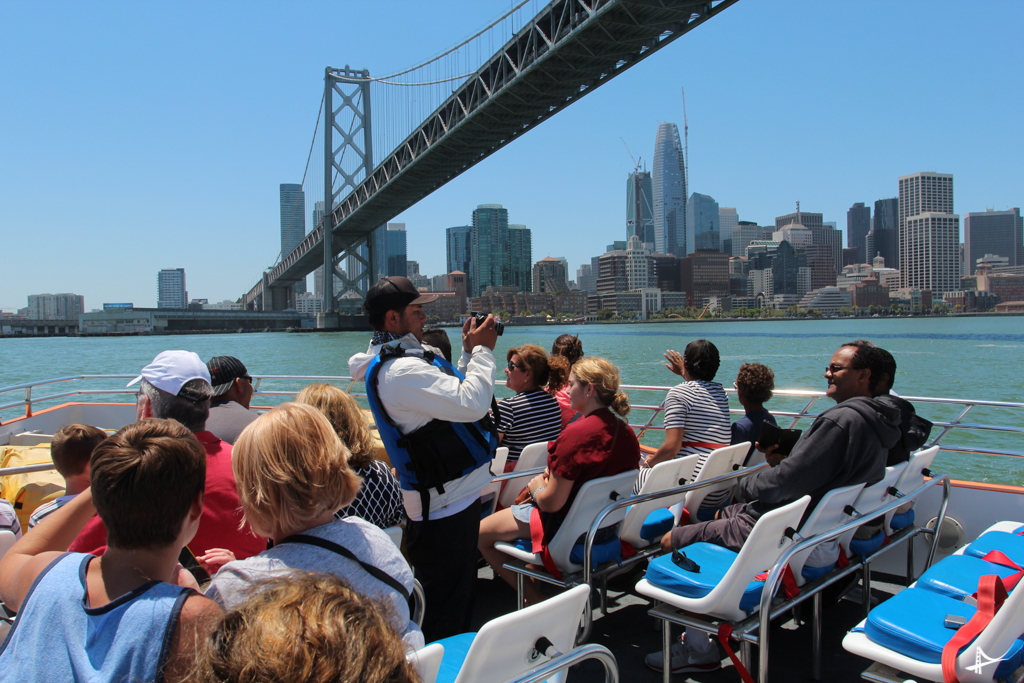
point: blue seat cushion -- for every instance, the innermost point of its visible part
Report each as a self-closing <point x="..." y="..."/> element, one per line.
<point x="658" y="523"/>
<point x="1010" y="545"/>
<point x="902" y="521"/>
<point x="957" y="575"/>
<point x="606" y="550"/>
<point x="815" y="573"/>
<point x="523" y="544"/>
<point x="867" y="546"/>
<point x="912" y="622"/>
<point x="455" y="650"/>
<point x="714" y="562"/>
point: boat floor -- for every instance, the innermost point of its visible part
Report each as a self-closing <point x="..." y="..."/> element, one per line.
<point x="630" y="633"/>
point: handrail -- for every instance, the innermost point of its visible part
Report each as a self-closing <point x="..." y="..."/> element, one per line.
<point x="777" y="570"/>
<point x="574" y="656"/>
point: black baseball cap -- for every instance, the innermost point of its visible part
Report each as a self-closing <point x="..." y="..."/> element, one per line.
<point x="393" y="293"/>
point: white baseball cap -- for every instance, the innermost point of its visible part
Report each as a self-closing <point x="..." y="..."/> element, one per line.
<point x="170" y="370"/>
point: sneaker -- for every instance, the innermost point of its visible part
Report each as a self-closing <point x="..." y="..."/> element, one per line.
<point x="683" y="660"/>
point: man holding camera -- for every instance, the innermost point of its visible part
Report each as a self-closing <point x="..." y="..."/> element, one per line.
<point x="434" y="422"/>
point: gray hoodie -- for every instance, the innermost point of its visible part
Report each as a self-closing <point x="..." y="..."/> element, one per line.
<point x="847" y="444"/>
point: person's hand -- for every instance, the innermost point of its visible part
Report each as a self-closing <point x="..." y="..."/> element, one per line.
<point x="666" y="543"/>
<point x="184" y="578"/>
<point x="675" y="362"/>
<point x="214" y="559"/>
<point x="652" y="460"/>
<point x="537" y="482"/>
<point x="479" y="335"/>
<point x="770" y="455"/>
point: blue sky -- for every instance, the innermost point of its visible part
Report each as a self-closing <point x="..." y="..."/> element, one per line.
<point x="141" y="136"/>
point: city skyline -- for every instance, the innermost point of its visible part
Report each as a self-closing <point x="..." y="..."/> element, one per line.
<point x="144" y="143"/>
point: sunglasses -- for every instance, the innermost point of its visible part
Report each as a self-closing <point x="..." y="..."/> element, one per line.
<point x="512" y="366"/>
<point x="834" y="368"/>
<point x="680" y="559"/>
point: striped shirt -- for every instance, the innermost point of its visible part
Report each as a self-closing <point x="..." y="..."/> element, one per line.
<point x="528" y="417"/>
<point x="9" y="519"/>
<point x="46" y="509"/>
<point x="701" y="409"/>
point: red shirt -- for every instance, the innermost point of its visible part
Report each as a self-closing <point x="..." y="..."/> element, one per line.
<point x="222" y="515"/>
<point x="594" y="446"/>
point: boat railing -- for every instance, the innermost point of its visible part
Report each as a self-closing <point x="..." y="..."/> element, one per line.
<point x="562" y="662"/>
<point x="282" y="387"/>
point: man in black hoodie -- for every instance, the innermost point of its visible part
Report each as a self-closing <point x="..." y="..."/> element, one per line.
<point x="847" y="444"/>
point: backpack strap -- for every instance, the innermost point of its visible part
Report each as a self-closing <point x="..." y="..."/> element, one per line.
<point x="375" y="572"/>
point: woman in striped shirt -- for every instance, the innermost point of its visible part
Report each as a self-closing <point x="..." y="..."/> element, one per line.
<point x="532" y="415"/>
<point x="696" y="415"/>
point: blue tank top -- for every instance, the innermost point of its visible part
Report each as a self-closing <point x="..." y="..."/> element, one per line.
<point x="56" y="637"/>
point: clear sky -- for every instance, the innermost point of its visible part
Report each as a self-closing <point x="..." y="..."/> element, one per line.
<point x="140" y="136"/>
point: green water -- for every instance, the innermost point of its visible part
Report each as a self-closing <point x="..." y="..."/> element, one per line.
<point x="968" y="358"/>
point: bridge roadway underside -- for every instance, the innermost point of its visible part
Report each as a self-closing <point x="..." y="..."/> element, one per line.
<point x="567" y="51"/>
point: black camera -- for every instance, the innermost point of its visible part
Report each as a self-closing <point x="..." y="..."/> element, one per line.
<point x="499" y="326"/>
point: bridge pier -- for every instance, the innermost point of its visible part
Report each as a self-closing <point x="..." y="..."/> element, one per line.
<point x="280" y="298"/>
<point x="328" y="321"/>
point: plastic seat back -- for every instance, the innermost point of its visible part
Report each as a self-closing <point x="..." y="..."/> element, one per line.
<point x="534" y="455"/>
<point x="721" y="461"/>
<point x="427" y="661"/>
<point x="912" y="477"/>
<point x="663" y="476"/>
<point x="593" y="497"/>
<point x="827" y="515"/>
<point x="998" y="636"/>
<point x="395" y="534"/>
<point x="504" y="647"/>
<point x="490" y="492"/>
<point x="873" y="497"/>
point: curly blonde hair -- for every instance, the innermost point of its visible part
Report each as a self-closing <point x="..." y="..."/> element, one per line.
<point x="304" y="628"/>
<point x="604" y="377"/>
<point x="345" y="415"/>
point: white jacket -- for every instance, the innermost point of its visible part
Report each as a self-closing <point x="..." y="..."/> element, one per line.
<point x="413" y="393"/>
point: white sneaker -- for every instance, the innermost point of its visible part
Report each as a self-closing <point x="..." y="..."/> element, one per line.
<point x="683" y="660"/>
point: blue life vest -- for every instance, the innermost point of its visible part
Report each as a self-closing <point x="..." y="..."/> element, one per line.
<point x="439" y="451"/>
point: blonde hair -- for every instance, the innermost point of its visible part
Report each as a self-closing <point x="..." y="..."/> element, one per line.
<point x="291" y="468"/>
<point x="345" y="415"/>
<point x="604" y="377"/>
<point x="304" y="628"/>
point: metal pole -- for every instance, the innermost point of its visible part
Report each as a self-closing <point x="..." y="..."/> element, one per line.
<point x="328" y="216"/>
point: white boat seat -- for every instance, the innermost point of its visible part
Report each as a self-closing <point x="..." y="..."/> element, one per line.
<point x="489" y="493"/>
<point x="870" y="499"/>
<point x="722" y="588"/>
<point x="427" y="661"/>
<point x="720" y="461"/>
<point x="646" y="523"/>
<point x="506" y="647"/>
<point x="911" y="478"/>
<point x="7" y="539"/>
<point x="534" y="455"/>
<point x="395" y="534"/>
<point x="827" y="515"/>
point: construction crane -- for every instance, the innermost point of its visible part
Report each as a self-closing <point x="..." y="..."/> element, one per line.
<point x="636" y="159"/>
<point x="686" y="145"/>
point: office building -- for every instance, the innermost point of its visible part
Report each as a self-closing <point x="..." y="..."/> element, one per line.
<point x="858" y="225"/>
<point x="640" y="207"/>
<point x="929" y="233"/>
<point x="55" y="306"/>
<point x="703" y="233"/>
<point x="293" y="222"/>
<point x="743" y="234"/>
<point x="489" y="257"/>
<point x="998" y="233"/>
<point x="459" y="242"/>
<point x="822" y="234"/>
<point x="520" y="257"/>
<point x="613" y="275"/>
<point x="419" y="280"/>
<point x="458" y="283"/>
<point x="666" y="272"/>
<point x="787" y="266"/>
<point x="170" y="288"/>
<point x="670" y="191"/>
<point x="728" y="219"/>
<point x="639" y="270"/>
<point x="886" y="228"/>
<point x="394" y="256"/>
<point x="549" y="276"/>
<point x="704" y="274"/>
<point x="585" y="279"/>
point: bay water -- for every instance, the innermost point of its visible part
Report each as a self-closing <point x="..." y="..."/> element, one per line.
<point x="958" y="358"/>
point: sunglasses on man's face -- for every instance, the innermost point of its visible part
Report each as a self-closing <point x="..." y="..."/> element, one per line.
<point x="680" y="559"/>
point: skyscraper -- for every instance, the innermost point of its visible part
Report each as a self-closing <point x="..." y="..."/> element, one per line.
<point x="459" y="251"/>
<point x="520" y="257"/>
<point x="293" y="223"/>
<point x="395" y="250"/>
<point x="743" y="234"/>
<point x="490" y="249"/>
<point x="728" y="218"/>
<point x="858" y="224"/>
<point x="929" y="233"/>
<point x="584" y="279"/>
<point x="993" y="232"/>
<point x="549" y="276"/>
<point x="170" y="288"/>
<point x="886" y="228"/>
<point x="669" y="185"/>
<point x="640" y="207"/>
<point x="822" y="234"/>
<point x="703" y="233"/>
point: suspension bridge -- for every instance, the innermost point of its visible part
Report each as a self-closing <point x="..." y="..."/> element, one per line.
<point x="444" y="116"/>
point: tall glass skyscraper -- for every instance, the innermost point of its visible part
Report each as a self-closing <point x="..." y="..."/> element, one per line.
<point x="490" y="248"/>
<point x="669" y="187"/>
<point x="293" y="222"/>
<point x="640" y="203"/>
<point x="395" y="247"/>
<point x="702" y="219"/>
<point x="520" y="257"/>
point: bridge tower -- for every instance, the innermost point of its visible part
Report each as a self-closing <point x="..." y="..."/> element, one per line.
<point x="351" y="161"/>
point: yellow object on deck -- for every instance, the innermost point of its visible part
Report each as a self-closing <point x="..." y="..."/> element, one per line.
<point x="26" y="492"/>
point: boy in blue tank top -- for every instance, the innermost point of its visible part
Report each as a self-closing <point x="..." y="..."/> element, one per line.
<point x="129" y="614"/>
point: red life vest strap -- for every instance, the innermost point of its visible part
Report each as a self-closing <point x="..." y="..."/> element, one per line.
<point x="991" y="595"/>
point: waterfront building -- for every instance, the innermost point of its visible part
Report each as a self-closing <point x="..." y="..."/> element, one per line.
<point x="702" y="221"/>
<point x="446" y="307"/>
<point x="858" y="225"/>
<point x="306" y="303"/>
<point x="489" y="258"/>
<point x="549" y="276"/>
<point x="704" y="274"/>
<point x="458" y="282"/>
<point x="520" y="257"/>
<point x="419" y="281"/>
<point x="760" y="282"/>
<point x="728" y="220"/>
<point x="970" y="300"/>
<point x="640" y="207"/>
<point x="826" y="300"/>
<point x="999" y="233"/>
<point x="64" y="306"/>
<point x="912" y="299"/>
<point x="226" y="305"/>
<point x="293" y="222"/>
<point x="666" y="272"/>
<point x="1006" y="286"/>
<point x="929" y="233"/>
<point x="640" y="271"/>
<point x="670" y="192"/>
<point x="613" y="275"/>
<point x="869" y="292"/>
<point x="170" y="288"/>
